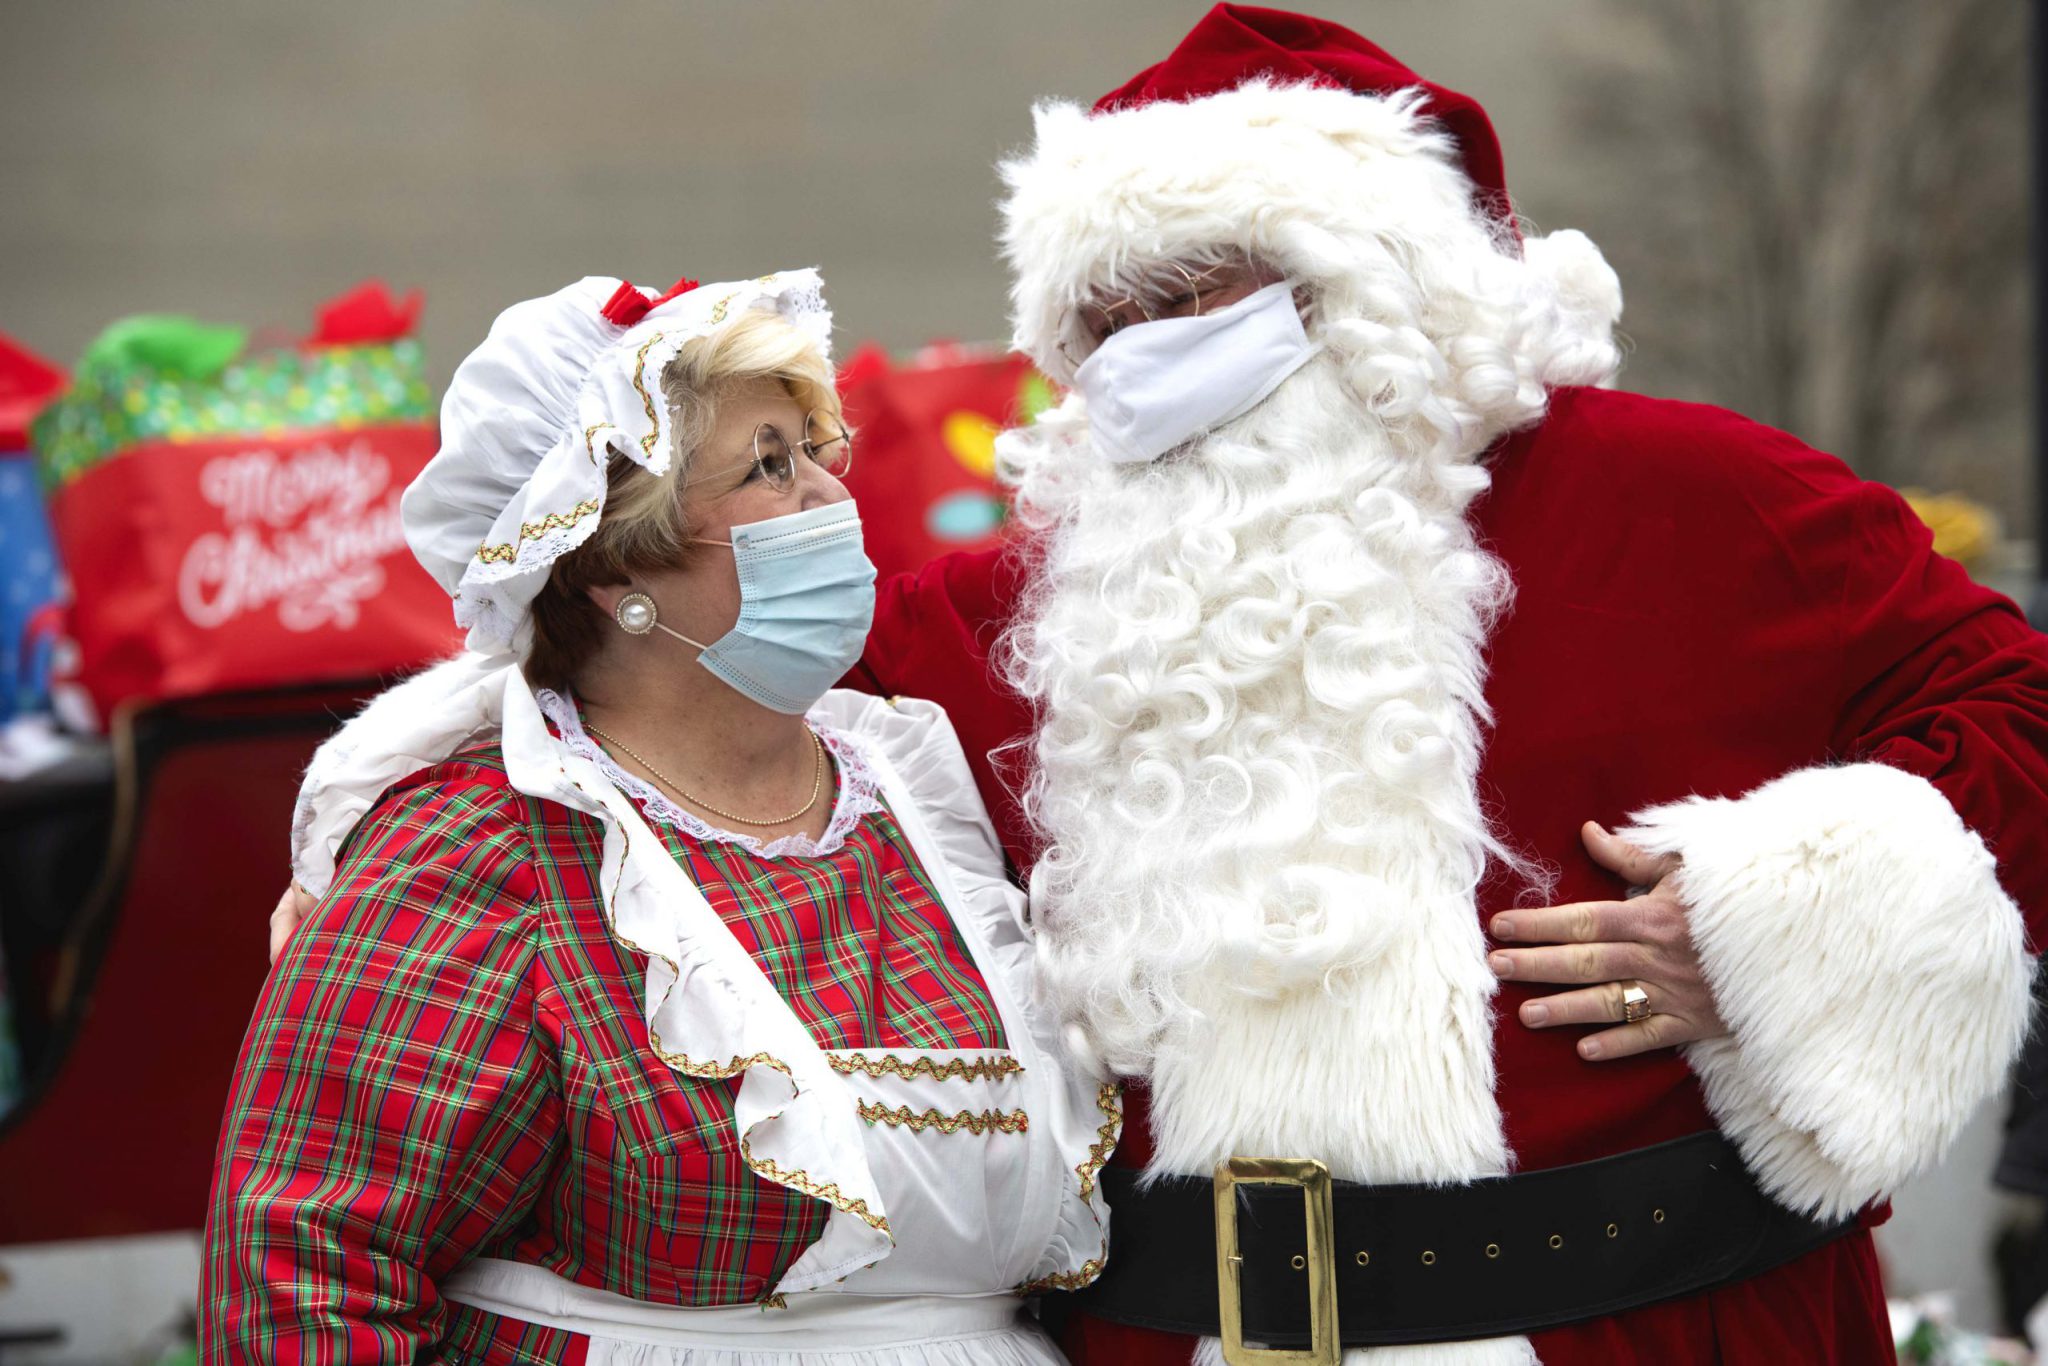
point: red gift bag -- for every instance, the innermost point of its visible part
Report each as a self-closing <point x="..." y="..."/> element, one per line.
<point x="231" y="522"/>
<point x="924" y="447"/>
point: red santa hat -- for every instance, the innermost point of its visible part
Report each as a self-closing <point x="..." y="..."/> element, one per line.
<point x="1258" y="116"/>
<point x="1237" y="43"/>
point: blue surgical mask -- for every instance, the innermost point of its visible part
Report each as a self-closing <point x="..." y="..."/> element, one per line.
<point x="807" y="598"/>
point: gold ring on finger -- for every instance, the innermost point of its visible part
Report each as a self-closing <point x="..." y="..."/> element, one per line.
<point x="1635" y="1003"/>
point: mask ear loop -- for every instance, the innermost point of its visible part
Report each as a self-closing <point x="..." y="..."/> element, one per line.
<point x="637" y="616"/>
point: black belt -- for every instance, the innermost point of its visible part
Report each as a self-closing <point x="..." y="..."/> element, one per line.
<point x="1500" y="1256"/>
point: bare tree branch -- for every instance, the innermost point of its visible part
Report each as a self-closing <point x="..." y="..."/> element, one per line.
<point x="1825" y="221"/>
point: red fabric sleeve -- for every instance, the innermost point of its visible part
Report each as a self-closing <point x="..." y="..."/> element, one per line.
<point x="1944" y="678"/>
<point x="926" y="620"/>
<point x="934" y="633"/>
<point x="394" y="1107"/>
<point x="1925" y="670"/>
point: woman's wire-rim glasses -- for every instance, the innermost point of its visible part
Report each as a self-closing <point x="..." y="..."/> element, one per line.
<point x="826" y="444"/>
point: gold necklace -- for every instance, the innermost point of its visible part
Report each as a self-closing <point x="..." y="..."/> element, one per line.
<point x="817" y="781"/>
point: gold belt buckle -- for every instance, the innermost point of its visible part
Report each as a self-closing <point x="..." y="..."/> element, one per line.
<point x="1325" y="1347"/>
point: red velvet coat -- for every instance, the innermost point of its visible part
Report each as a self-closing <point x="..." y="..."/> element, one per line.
<point x="1702" y="605"/>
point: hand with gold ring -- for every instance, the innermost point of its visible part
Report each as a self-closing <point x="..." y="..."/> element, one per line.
<point x="1632" y="961"/>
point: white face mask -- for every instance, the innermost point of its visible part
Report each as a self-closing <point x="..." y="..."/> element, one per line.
<point x="1157" y="385"/>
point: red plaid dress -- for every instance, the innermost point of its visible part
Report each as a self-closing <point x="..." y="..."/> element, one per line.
<point x="450" y="1061"/>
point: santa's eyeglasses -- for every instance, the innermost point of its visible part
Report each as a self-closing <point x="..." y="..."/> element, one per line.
<point x="1181" y="293"/>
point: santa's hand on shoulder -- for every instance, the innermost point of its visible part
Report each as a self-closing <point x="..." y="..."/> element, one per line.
<point x="1618" y="959"/>
<point x="293" y="907"/>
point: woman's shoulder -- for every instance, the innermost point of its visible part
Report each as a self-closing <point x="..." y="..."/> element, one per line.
<point x="472" y="781"/>
<point x="440" y="869"/>
<point x="458" y="846"/>
<point x="460" y="812"/>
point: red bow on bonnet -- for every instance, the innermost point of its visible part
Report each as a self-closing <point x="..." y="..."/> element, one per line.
<point x="628" y="305"/>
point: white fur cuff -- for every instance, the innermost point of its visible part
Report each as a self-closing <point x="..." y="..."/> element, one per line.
<point x="1872" y="973"/>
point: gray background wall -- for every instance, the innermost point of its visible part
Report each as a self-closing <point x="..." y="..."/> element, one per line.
<point x="243" y="160"/>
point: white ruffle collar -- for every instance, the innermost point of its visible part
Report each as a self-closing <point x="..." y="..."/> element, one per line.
<point x="859" y="796"/>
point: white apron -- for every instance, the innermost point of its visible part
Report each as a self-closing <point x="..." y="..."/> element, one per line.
<point x="969" y="1213"/>
<point x="958" y="1179"/>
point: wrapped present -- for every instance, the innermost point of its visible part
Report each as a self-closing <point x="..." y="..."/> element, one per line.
<point x="28" y="570"/>
<point x="925" y="446"/>
<point x="229" y="519"/>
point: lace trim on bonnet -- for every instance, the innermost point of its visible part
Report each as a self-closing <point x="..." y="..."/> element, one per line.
<point x="859" y="793"/>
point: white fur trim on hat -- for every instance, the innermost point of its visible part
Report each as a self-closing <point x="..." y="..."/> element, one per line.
<point x="1305" y="176"/>
<point x="1872" y="973"/>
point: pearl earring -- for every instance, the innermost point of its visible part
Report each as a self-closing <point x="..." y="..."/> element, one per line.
<point x="635" y="614"/>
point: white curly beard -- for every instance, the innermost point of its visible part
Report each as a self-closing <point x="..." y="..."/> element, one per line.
<point x="1258" y="665"/>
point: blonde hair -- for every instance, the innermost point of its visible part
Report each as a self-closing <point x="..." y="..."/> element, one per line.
<point x="643" y="528"/>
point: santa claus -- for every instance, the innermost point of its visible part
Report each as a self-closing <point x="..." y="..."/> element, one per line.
<point x="1354" y="611"/>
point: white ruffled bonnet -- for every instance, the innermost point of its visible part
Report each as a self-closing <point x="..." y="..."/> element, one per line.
<point x="534" y="413"/>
